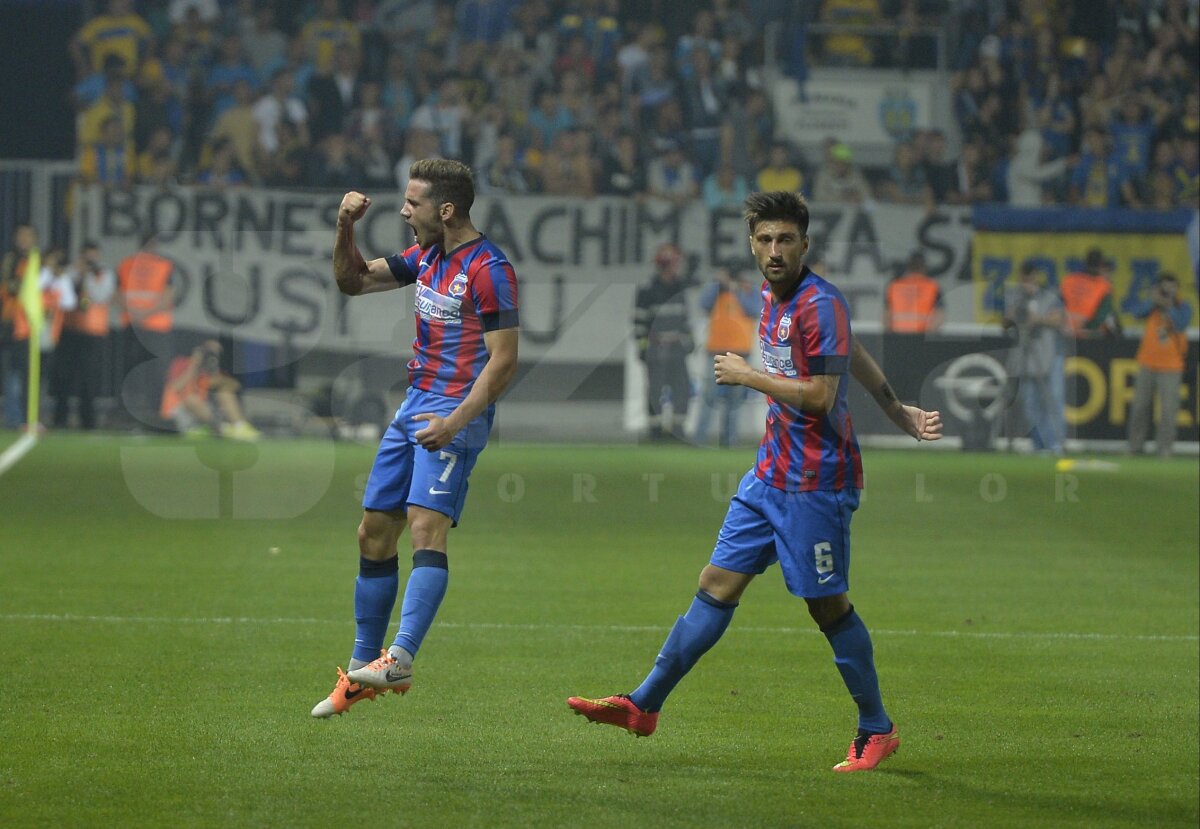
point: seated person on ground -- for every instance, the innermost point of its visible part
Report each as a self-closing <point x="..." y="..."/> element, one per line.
<point x="191" y="382"/>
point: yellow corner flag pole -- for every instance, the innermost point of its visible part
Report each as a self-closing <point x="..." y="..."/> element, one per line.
<point x="31" y="302"/>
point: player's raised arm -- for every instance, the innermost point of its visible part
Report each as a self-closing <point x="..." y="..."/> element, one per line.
<point x="354" y="274"/>
<point x="915" y="421"/>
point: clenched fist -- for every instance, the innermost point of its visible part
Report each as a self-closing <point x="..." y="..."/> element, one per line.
<point x="354" y="205"/>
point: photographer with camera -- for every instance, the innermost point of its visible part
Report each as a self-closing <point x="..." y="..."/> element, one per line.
<point x="80" y="354"/>
<point x="1161" y="357"/>
<point x="191" y="382"/>
<point x="1033" y="313"/>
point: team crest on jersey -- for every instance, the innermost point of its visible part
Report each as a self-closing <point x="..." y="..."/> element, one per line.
<point x="785" y="327"/>
<point x="459" y="286"/>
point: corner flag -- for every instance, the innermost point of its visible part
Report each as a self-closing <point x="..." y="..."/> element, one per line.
<point x="31" y="302"/>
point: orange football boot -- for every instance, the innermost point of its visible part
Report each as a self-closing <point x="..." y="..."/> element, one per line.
<point x="617" y="710"/>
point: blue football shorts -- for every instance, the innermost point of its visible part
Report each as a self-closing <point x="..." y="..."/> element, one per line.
<point x="808" y="533"/>
<point x="406" y="473"/>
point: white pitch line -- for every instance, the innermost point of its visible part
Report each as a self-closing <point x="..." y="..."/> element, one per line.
<point x="251" y="620"/>
<point x="17" y="451"/>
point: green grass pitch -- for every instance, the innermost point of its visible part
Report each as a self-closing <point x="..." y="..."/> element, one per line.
<point x="1035" y="633"/>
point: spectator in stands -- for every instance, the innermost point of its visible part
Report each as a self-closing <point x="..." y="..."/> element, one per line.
<point x="88" y="91"/>
<point x="180" y="11"/>
<point x="598" y="27"/>
<point x="265" y="44"/>
<point x="730" y="21"/>
<point x="1187" y="172"/>
<point x="666" y="127"/>
<point x="81" y="349"/>
<point x="577" y="58"/>
<point x="839" y="181"/>
<point x="157" y="164"/>
<point x="623" y="173"/>
<point x="334" y="166"/>
<point x="402" y="21"/>
<point x="280" y="103"/>
<point x="1161" y="357"/>
<point x="550" y="118"/>
<point x="111" y="160"/>
<point x="705" y="101"/>
<point x="672" y="177"/>
<point x="332" y="95"/>
<point x="484" y="21"/>
<point x="912" y="303"/>
<point x="973" y="174"/>
<point x="1033" y="312"/>
<point x="503" y="173"/>
<point x="1132" y="131"/>
<point x="566" y="167"/>
<point x="1096" y="106"/>
<point x="231" y="69"/>
<point x="657" y="85"/>
<point x="940" y="174"/>
<point x="733" y="304"/>
<point x="329" y="34"/>
<point x="119" y="31"/>
<point x="157" y="107"/>
<point x="191" y="382"/>
<point x="633" y="58"/>
<point x="724" y="189"/>
<point x="1096" y="181"/>
<point x="905" y="181"/>
<point x="444" y="115"/>
<point x="112" y="103"/>
<point x="442" y="39"/>
<point x="1056" y="119"/>
<point x="418" y="143"/>
<point x="238" y="126"/>
<point x="534" y="40"/>
<point x="221" y="168"/>
<point x="779" y="173"/>
<point x="702" y="38"/>
<point x="1029" y="171"/>
<point x="849" y="49"/>
<point x="574" y="93"/>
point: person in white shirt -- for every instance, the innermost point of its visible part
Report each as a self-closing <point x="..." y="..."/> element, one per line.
<point x="280" y="104"/>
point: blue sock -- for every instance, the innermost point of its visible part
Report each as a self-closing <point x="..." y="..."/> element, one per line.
<point x="374" y="596"/>
<point x="694" y="633"/>
<point x="855" y="660"/>
<point x="422" y="597"/>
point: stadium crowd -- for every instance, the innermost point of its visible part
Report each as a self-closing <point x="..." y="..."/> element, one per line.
<point x="1068" y="102"/>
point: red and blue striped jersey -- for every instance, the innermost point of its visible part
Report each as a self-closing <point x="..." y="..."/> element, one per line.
<point x="460" y="296"/>
<point x="807" y="334"/>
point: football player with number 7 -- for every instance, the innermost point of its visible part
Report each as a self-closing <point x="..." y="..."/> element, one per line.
<point x="794" y="506"/>
<point x="464" y="357"/>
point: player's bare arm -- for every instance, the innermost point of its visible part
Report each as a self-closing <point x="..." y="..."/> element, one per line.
<point x="354" y="274"/>
<point x="912" y="420"/>
<point x="814" y="395"/>
<point x="493" y="380"/>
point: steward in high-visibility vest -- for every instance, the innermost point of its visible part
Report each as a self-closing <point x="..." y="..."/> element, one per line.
<point x="147" y="300"/>
<point x="1087" y="298"/>
<point x="147" y="303"/>
<point x="913" y="302"/>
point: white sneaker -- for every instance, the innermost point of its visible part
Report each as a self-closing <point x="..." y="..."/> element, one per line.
<point x="384" y="674"/>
